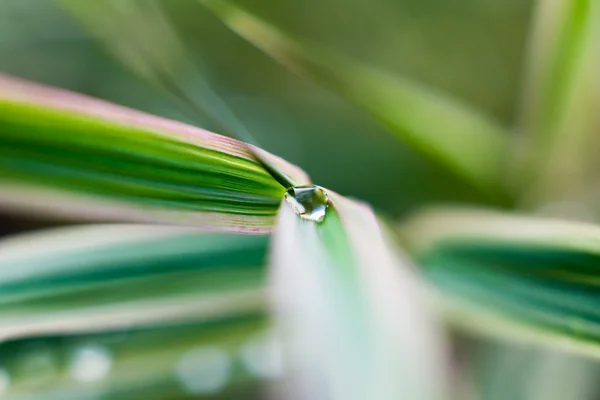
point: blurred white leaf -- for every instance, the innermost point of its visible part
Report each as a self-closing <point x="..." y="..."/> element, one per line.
<point x="353" y="317"/>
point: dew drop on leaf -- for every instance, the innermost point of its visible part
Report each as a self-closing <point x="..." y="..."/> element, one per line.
<point x="309" y="202"/>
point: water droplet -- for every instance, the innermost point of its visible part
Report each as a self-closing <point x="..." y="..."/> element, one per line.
<point x="204" y="370"/>
<point x="309" y="202"/>
<point x="90" y="363"/>
<point x="262" y="356"/>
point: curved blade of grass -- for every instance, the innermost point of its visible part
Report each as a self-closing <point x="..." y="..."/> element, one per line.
<point x="120" y="164"/>
<point x="450" y="132"/>
<point x="513" y="277"/>
<point x="353" y="319"/>
<point x="95" y="278"/>
<point x="560" y="102"/>
<point x="139" y="34"/>
<point x="213" y="359"/>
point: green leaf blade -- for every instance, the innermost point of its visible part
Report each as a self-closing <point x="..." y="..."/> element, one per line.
<point x="558" y="117"/>
<point x="103" y="277"/>
<point x="144" y="300"/>
<point x="57" y="140"/>
<point x="513" y="277"/>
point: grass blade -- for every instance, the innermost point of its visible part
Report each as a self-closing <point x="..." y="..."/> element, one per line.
<point x="450" y="132"/>
<point x="350" y="310"/>
<point x="558" y="117"/>
<point x="94" y="278"/>
<point x="120" y="164"/>
<point x="513" y="277"/>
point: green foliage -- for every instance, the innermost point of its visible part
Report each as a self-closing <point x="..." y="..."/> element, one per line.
<point x="148" y="167"/>
<point x="355" y="317"/>
<point x="138" y="276"/>
<point x="125" y="275"/>
<point x="138" y="298"/>
<point x="515" y="277"/>
<point x="560" y="96"/>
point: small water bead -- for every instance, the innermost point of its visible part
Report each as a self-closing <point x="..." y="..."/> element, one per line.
<point x="204" y="369"/>
<point x="90" y="363"/>
<point x="262" y="355"/>
<point x="309" y="202"/>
